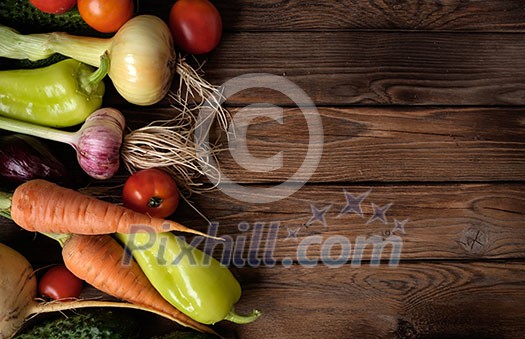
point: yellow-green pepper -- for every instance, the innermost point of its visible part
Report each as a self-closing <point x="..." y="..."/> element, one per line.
<point x="192" y="281"/>
<point x="59" y="95"/>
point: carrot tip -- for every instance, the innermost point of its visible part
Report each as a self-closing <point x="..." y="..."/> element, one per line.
<point x="173" y="226"/>
<point x="207" y="235"/>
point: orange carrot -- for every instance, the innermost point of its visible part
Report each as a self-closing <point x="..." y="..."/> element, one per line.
<point x="42" y="206"/>
<point x="98" y="260"/>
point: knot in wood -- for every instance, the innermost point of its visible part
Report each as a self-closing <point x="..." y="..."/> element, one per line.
<point x="475" y="240"/>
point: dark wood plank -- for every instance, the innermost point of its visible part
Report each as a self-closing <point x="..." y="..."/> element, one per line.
<point x="356" y="68"/>
<point x="294" y="15"/>
<point x="377" y="144"/>
<point x="423" y="300"/>
<point x="420" y="222"/>
<point x="372" y="68"/>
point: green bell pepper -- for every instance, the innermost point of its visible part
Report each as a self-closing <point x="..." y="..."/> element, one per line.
<point x="60" y="95"/>
<point x="192" y="281"/>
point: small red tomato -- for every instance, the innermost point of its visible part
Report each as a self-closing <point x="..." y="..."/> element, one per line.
<point x="54" y="6"/>
<point x="196" y="25"/>
<point x="58" y="283"/>
<point x="106" y="16"/>
<point x="151" y="191"/>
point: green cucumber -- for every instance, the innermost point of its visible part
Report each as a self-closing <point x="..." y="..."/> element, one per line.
<point x="6" y="63"/>
<point x="25" y="18"/>
<point x="93" y="324"/>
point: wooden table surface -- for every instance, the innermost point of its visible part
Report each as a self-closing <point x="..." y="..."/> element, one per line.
<point x="412" y="223"/>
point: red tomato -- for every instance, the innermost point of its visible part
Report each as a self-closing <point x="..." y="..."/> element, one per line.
<point x="53" y="6"/>
<point x="106" y="16"/>
<point x="59" y="283"/>
<point x="196" y="25"/>
<point x="151" y="191"/>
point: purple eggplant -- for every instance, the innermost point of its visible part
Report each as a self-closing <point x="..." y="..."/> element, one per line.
<point x="23" y="157"/>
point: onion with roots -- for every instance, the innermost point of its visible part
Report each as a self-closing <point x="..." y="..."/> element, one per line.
<point x="181" y="145"/>
<point x="172" y="145"/>
<point x="18" y="291"/>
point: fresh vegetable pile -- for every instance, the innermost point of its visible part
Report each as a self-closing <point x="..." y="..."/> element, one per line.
<point x="57" y="58"/>
<point x="139" y="59"/>
<point x="18" y="292"/>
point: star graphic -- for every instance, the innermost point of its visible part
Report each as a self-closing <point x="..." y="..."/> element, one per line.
<point x="353" y="203"/>
<point x="292" y="233"/>
<point x="399" y="226"/>
<point x="318" y="215"/>
<point x="379" y="213"/>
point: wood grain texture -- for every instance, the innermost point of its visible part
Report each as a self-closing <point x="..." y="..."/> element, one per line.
<point x="365" y="144"/>
<point x="379" y="68"/>
<point x="370" y="68"/>
<point x="437" y="222"/>
<point x="295" y="15"/>
<point x="423" y="300"/>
